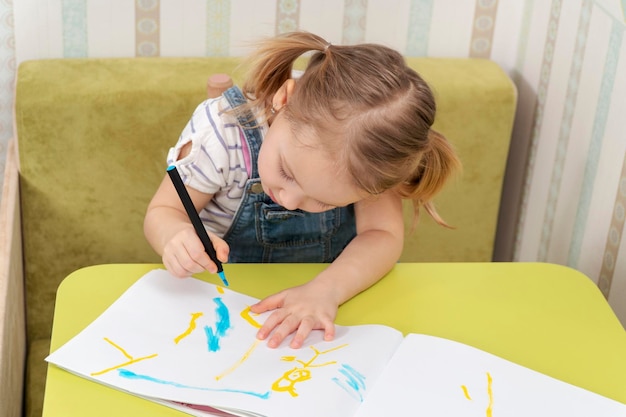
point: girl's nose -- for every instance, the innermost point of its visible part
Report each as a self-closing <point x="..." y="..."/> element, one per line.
<point x="290" y="199"/>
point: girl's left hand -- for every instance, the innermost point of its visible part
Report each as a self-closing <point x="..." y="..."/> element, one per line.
<point x="299" y="309"/>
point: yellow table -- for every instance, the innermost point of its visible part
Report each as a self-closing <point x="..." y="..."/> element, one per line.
<point x="546" y="317"/>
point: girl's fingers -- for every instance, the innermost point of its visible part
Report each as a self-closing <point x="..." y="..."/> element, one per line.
<point x="272" y="302"/>
<point x="329" y="331"/>
<point x="304" y="329"/>
<point x="221" y="247"/>
<point x="288" y="326"/>
<point x="275" y="319"/>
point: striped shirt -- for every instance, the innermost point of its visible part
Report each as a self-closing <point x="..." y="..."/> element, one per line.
<point x="219" y="161"/>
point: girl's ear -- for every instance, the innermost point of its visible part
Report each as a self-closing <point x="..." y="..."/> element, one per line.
<point x="282" y="96"/>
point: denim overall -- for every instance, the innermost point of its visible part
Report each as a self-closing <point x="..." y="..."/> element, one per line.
<point x="263" y="231"/>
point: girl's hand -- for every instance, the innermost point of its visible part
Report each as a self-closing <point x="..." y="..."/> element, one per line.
<point x="300" y="309"/>
<point x="184" y="254"/>
<point x="170" y="233"/>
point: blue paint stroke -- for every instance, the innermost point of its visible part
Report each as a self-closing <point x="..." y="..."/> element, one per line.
<point x="222" y="324"/>
<point x="354" y="384"/>
<point x="213" y="340"/>
<point x="125" y="373"/>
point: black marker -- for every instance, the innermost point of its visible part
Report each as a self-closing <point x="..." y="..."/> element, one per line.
<point x="195" y="220"/>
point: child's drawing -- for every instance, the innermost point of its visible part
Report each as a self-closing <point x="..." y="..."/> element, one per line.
<point x="240" y="361"/>
<point x="191" y="328"/>
<point x="287" y="382"/>
<point x="125" y="373"/>
<point x="354" y="382"/>
<point x="466" y="392"/>
<point x="246" y="315"/>
<point x="489" y="409"/>
<point x="222" y="324"/>
<point x="130" y="361"/>
<point x="191" y="342"/>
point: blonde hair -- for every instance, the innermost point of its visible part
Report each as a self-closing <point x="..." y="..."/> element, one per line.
<point x="368" y="106"/>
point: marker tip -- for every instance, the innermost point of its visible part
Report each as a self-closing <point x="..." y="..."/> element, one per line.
<point x="223" y="278"/>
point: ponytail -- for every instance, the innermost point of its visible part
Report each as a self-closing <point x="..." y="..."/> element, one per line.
<point x="437" y="164"/>
<point x="272" y="64"/>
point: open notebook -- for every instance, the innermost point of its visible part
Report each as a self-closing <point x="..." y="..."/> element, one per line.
<point x="191" y="345"/>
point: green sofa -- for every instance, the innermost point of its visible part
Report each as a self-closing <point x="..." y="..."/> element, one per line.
<point x="91" y="140"/>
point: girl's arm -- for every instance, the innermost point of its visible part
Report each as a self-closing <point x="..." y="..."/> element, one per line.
<point x="171" y="234"/>
<point x="367" y="258"/>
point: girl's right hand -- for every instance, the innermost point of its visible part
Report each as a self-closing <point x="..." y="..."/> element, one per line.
<point x="184" y="254"/>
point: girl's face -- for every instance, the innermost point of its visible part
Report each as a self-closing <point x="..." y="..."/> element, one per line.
<point x="297" y="174"/>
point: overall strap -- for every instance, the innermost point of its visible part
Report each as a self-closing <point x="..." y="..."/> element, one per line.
<point x="249" y="126"/>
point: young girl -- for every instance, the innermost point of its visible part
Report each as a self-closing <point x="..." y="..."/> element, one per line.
<point x="306" y="170"/>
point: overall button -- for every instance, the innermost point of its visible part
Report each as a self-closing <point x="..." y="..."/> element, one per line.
<point x="256" y="188"/>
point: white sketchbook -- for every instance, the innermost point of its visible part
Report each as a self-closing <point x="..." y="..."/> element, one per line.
<point x="191" y="345"/>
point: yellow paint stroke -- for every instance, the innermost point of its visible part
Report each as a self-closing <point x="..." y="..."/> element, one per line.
<point x="118" y="347"/>
<point x="245" y="314"/>
<point x="465" y="392"/>
<point x="220" y="289"/>
<point x="287" y="382"/>
<point x="489" y="410"/>
<point x="240" y="361"/>
<point x="130" y="361"/>
<point x="191" y="328"/>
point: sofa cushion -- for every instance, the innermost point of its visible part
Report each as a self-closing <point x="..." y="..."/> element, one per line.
<point x="93" y="136"/>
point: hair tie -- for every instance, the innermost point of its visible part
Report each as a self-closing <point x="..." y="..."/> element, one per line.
<point x="327" y="46"/>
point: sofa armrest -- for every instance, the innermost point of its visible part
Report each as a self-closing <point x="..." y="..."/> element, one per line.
<point x="12" y="315"/>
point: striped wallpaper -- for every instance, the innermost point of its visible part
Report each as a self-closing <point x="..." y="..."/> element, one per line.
<point x="565" y="194"/>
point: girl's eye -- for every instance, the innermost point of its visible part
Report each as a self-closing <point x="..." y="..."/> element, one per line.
<point x="324" y="206"/>
<point x="284" y="174"/>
